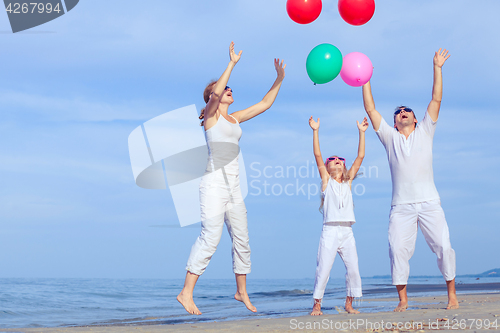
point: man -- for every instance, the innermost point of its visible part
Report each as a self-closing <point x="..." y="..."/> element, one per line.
<point x="415" y="200"/>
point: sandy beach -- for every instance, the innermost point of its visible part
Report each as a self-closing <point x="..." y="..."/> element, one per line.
<point x="477" y="312"/>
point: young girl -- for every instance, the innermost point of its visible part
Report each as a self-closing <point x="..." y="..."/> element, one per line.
<point x="338" y="217"/>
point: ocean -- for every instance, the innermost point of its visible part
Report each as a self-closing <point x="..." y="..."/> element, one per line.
<point x="83" y="302"/>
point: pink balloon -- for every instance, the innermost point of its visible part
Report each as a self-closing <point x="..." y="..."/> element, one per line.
<point x="357" y="69"/>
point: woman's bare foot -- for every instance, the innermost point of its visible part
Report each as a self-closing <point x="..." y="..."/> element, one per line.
<point x="188" y="303"/>
<point x="317" y="308"/>
<point x="402" y="306"/>
<point x="348" y="306"/>
<point x="245" y="300"/>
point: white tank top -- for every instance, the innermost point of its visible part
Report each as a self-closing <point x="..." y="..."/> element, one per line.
<point x="222" y="140"/>
<point x="338" y="205"/>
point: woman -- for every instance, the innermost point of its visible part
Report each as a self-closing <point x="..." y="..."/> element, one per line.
<point x="220" y="195"/>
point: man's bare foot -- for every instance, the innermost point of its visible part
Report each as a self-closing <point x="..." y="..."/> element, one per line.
<point x="452" y="295"/>
<point x="188" y="304"/>
<point x="316" y="309"/>
<point x="245" y="300"/>
<point x="402" y="306"/>
<point x="452" y="302"/>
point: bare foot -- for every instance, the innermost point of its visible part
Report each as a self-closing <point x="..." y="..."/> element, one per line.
<point x="402" y="306"/>
<point x="350" y="309"/>
<point x="452" y="302"/>
<point x="188" y="304"/>
<point x="245" y="300"/>
<point x="316" y="309"/>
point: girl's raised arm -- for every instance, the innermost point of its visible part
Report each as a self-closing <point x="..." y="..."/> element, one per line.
<point x="317" y="152"/>
<point x="361" y="149"/>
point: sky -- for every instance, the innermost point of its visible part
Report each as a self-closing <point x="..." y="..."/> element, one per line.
<point x="72" y="90"/>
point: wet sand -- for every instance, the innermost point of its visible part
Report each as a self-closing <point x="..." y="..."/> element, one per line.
<point x="426" y="314"/>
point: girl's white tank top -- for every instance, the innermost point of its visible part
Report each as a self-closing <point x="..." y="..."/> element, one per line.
<point x="223" y="149"/>
<point x="338" y="205"/>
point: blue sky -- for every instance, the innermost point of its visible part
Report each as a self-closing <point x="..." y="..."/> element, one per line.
<point x="73" y="89"/>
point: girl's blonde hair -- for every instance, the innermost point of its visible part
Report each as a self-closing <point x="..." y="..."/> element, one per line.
<point x="206" y="97"/>
<point x="345" y="178"/>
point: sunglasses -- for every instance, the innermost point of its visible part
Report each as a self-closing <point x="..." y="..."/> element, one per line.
<point x="228" y="87"/>
<point x="403" y="109"/>
<point x="334" y="158"/>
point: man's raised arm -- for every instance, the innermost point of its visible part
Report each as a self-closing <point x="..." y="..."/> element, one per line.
<point x="373" y="114"/>
<point x="437" y="89"/>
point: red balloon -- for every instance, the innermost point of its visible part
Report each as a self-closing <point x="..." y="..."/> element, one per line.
<point x="303" y="11"/>
<point x="356" y="12"/>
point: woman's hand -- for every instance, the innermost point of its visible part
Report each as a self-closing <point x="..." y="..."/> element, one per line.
<point x="280" y="68"/>
<point x="314" y="124"/>
<point x="232" y="55"/>
<point x="363" y="126"/>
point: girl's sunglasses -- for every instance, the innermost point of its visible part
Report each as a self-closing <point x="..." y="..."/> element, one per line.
<point x="334" y="158"/>
<point x="228" y="87"/>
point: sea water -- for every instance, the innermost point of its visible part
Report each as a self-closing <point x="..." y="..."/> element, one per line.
<point x="83" y="302"/>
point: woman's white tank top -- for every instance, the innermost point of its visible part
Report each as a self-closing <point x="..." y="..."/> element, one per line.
<point x="338" y="205"/>
<point x="223" y="149"/>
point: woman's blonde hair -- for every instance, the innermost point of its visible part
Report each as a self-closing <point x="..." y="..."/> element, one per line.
<point x="206" y="97"/>
<point x="345" y="178"/>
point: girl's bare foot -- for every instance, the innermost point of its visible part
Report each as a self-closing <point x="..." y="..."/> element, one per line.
<point x="348" y="306"/>
<point x="316" y="308"/>
<point x="245" y="300"/>
<point x="188" y="303"/>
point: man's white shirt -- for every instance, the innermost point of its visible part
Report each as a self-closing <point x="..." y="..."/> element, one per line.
<point x="410" y="161"/>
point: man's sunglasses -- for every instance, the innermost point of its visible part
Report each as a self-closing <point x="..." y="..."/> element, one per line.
<point x="334" y="158"/>
<point x="401" y="110"/>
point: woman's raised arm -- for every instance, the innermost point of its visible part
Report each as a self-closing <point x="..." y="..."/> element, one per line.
<point x="221" y="83"/>
<point x="268" y="99"/>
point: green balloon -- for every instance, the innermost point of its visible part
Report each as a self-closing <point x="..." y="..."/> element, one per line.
<point x="324" y="63"/>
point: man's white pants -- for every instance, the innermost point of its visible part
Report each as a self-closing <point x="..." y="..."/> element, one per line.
<point x="337" y="237"/>
<point x="221" y="201"/>
<point x="403" y="225"/>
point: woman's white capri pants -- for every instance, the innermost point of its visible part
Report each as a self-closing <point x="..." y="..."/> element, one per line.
<point x="221" y="201"/>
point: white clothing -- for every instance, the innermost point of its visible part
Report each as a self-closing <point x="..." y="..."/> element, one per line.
<point x="337" y="237"/>
<point x="221" y="201"/>
<point x="222" y="140"/>
<point x="410" y="161"/>
<point x="403" y="221"/>
<point x="337" y="205"/>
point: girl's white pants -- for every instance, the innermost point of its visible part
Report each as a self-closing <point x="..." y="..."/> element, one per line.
<point x="337" y="237"/>
<point x="221" y="201"/>
<point x="403" y="225"/>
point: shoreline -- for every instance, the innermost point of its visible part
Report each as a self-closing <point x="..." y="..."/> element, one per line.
<point x="425" y="314"/>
